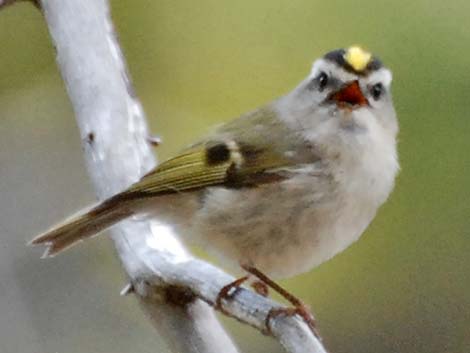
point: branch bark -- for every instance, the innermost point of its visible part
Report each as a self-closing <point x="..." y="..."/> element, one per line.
<point x="174" y="289"/>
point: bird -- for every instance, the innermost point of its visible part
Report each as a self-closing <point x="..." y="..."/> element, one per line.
<point x="281" y="189"/>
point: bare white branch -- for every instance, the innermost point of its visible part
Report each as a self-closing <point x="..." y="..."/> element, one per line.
<point x="174" y="288"/>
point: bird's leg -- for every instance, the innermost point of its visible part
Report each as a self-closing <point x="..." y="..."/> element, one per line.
<point x="299" y="307"/>
<point x="225" y="292"/>
<point x="273" y="285"/>
<point x="303" y="311"/>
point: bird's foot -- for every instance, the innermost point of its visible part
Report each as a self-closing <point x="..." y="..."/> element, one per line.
<point x="303" y="311"/>
<point x="299" y="308"/>
<point x="227" y="292"/>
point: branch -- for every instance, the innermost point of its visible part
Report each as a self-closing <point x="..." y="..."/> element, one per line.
<point x="173" y="288"/>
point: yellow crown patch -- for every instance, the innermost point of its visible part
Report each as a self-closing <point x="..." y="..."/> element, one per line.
<point x="357" y="58"/>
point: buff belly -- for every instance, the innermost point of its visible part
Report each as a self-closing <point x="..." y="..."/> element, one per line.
<point x="283" y="229"/>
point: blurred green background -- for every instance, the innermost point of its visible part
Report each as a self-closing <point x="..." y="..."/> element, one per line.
<point x="404" y="287"/>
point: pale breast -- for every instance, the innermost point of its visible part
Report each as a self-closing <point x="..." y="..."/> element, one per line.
<point x="276" y="227"/>
<point x="290" y="227"/>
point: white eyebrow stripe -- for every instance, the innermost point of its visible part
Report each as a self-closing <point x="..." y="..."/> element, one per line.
<point x="328" y="67"/>
<point x="383" y="76"/>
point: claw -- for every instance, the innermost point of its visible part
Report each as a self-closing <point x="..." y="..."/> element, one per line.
<point x="299" y="308"/>
<point x="225" y="292"/>
<point x="302" y="311"/>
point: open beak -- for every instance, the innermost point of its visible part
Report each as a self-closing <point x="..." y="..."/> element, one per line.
<point x="349" y="96"/>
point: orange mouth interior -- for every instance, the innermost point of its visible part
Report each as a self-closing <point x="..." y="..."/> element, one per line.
<point x="350" y="96"/>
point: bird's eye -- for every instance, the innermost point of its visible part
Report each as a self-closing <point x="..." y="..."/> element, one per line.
<point x="322" y="80"/>
<point x="377" y="90"/>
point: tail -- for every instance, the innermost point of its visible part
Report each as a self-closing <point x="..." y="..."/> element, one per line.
<point x="84" y="225"/>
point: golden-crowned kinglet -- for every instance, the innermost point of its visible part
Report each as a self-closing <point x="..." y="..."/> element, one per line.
<point x="283" y="188"/>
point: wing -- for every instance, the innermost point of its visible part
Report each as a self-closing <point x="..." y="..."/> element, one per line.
<point x="240" y="156"/>
<point x="208" y="164"/>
